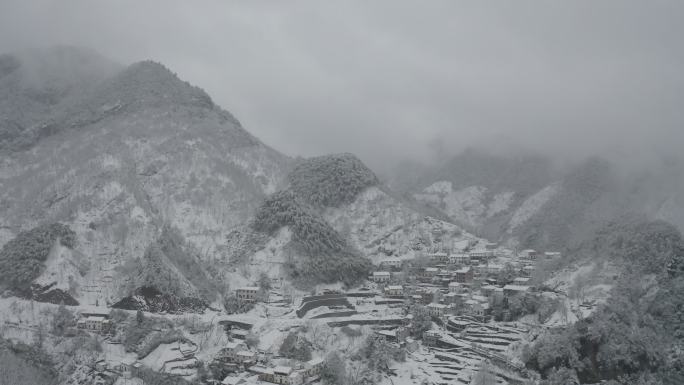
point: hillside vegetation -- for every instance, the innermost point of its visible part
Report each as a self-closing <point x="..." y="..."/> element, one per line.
<point x="577" y="208"/>
<point x="331" y="180"/>
<point x="637" y="337"/>
<point x="170" y="266"/>
<point x="328" y="257"/>
<point x="21" y="364"/>
<point x="326" y="181"/>
<point x="22" y="258"/>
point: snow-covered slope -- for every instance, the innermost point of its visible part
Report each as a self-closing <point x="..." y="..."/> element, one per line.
<point x="141" y="150"/>
<point x="379" y="225"/>
<point x="531" y="206"/>
<point x="473" y="205"/>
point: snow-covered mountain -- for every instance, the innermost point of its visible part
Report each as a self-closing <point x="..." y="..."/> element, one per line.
<point x="331" y="220"/>
<point x="163" y="188"/>
<point x="527" y="202"/>
<point x="117" y="155"/>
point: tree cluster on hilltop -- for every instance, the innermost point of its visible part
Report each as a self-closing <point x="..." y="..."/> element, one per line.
<point x="331" y="180"/>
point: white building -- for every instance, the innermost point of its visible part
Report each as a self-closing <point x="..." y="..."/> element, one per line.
<point x="244" y="356"/>
<point x="94" y="323"/>
<point x="286" y="375"/>
<point x="512" y="290"/>
<point x="493" y="269"/>
<point x="455" y="287"/>
<point x="476" y="308"/>
<point x="125" y="367"/>
<point x="436" y="309"/>
<point x="528" y="270"/>
<point x="247" y="293"/>
<point x="230" y="350"/>
<point x="313" y="367"/>
<point x="529" y="254"/>
<point x="482" y="255"/>
<point x="439" y="257"/>
<point x="381" y="276"/>
<point x="391" y="263"/>
<point x="394" y="290"/>
<point x="552" y="254"/>
<point x="459" y="259"/>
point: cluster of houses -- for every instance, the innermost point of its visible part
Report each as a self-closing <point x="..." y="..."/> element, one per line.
<point x="254" y="364"/>
<point x="467" y="282"/>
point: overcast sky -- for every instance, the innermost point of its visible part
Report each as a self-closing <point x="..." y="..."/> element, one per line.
<point x="394" y="79"/>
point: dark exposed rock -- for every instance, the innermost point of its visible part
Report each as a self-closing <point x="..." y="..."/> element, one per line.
<point x="148" y="298"/>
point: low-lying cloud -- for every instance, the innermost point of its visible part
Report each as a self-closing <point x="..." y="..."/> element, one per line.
<point x="390" y="80"/>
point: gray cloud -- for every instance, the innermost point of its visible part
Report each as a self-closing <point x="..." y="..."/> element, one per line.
<point x="395" y="79"/>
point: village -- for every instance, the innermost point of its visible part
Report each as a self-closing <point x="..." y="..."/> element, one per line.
<point x="471" y="293"/>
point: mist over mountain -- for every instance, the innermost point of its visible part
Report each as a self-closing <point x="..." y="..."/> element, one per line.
<point x="120" y="158"/>
<point x="126" y="187"/>
<point x="538" y="201"/>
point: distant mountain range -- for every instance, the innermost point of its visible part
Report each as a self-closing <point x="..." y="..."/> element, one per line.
<point x="530" y="202"/>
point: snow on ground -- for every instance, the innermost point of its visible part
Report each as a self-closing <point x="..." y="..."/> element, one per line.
<point x="270" y="259"/>
<point x="379" y="225"/>
<point x="581" y="289"/>
<point x="500" y="203"/>
<point x="157" y="359"/>
<point x="531" y="206"/>
<point x="467" y="205"/>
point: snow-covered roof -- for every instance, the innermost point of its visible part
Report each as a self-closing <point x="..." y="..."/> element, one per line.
<point x="315" y="361"/>
<point x="463" y="270"/>
<point x="516" y="287"/>
<point x="395" y="287"/>
<point x="282" y="370"/>
<point x="521" y="279"/>
<point x="96" y="318"/>
<point x="234" y="345"/>
<point x="232" y="380"/>
<point x="437" y="306"/>
<point x="249" y="288"/>
<point x="246" y="353"/>
<point x="454" y="284"/>
<point x="431" y="269"/>
<point x="381" y="273"/>
<point x="128" y="360"/>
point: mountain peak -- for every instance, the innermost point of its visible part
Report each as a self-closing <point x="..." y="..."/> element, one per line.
<point x="151" y="83"/>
